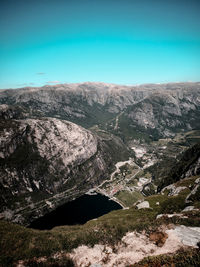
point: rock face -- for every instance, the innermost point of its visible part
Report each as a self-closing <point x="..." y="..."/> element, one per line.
<point x="189" y="236"/>
<point x="173" y="190"/>
<point x="187" y="165"/>
<point x="54" y="140"/>
<point x="159" y="110"/>
<point x="86" y="103"/>
<point x="195" y="193"/>
<point x="46" y="162"/>
<point x="164" y="113"/>
<point x="143" y="205"/>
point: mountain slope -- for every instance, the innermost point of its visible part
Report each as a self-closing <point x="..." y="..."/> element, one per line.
<point x="157" y="109"/>
<point x="46" y="162"/>
<point x="168" y="228"/>
<point x="161" y="115"/>
<point x="188" y="165"/>
<point x="85" y="104"/>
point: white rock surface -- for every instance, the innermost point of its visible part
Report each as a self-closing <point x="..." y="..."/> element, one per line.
<point x="64" y="140"/>
<point x="193" y="192"/>
<point x="197" y="181"/>
<point x="173" y="190"/>
<point x="139" y="151"/>
<point x="188" y="208"/>
<point x="143" y="205"/>
<point x="171" y="215"/>
<point x="134" y="247"/>
<point x="189" y="236"/>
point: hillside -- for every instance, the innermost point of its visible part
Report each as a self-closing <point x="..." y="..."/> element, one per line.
<point x="137" y="145"/>
<point x="169" y="226"/>
<point x="46" y="162"/>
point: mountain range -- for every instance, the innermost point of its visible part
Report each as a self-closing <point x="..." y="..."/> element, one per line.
<point x="130" y="143"/>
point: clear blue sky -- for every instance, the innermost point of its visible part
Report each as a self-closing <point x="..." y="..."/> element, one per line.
<point x="118" y="41"/>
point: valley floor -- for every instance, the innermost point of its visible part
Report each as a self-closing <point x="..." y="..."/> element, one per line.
<point x="126" y="183"/>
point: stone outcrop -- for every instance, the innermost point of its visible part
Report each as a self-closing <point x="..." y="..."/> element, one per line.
<point x="143" y="205"/>
<point x="136" y="246"/>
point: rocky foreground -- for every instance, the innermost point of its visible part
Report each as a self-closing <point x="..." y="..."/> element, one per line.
<point x="164" y="232"/>
<point x="136" y="246"/>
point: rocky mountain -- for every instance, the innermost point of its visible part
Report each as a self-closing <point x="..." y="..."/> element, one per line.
<point x="160" y="115"/>
<point x="158" y="110"/>
<point x="86" y="104"/>
<point x="45" y="162"/>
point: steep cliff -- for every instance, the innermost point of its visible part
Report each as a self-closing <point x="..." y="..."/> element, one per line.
<point x="188" y="165"/>
<point x="46" y="162"/>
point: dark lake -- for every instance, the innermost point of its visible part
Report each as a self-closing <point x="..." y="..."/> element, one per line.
<point x="78" y="211"/>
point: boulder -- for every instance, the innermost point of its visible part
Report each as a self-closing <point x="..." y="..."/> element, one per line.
<point x="143" y="205"/>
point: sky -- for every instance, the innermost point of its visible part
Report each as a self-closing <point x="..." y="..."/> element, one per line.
<point x="115" y="41"/>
